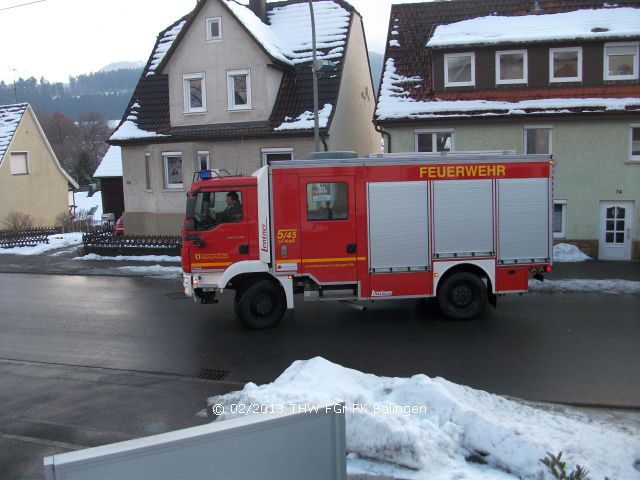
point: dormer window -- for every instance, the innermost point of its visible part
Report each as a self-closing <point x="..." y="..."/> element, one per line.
<point x="195" y="98"/>
<point x="565" y="64"/>
<point x="239" y="89"/>
<point x="214" y="29"/>
<point x="621" y="61"/>
<point x="511" y="67"/>
<point x="459" y="70"/>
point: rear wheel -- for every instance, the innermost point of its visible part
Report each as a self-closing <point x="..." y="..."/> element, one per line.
<point x="462" y="296"/>
<point x="261" y="304"/>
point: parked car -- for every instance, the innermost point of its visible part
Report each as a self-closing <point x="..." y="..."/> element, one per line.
<point x="119" y="228"/>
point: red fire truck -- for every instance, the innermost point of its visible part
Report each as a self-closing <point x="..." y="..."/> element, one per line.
<point x="460" y="227"/>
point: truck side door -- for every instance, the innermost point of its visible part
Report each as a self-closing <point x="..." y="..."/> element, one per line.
<point x="222" y="221"/>
<point x="328" y="241"/>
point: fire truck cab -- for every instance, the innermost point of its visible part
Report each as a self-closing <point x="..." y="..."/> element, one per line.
<point x="461" y="227"/>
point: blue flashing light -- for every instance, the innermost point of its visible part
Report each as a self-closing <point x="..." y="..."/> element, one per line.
<point x="205" y="174"/>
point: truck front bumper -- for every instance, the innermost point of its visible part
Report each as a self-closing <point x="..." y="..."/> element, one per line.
<point x="195" y="284"/>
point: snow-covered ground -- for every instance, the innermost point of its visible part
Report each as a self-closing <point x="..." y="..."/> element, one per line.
<point x="156" y="271"/>
<point x="85" y="203"/>
<point x="430" y="428"/>
<point x="55" y="242"/>
<point x="131" y="258"/>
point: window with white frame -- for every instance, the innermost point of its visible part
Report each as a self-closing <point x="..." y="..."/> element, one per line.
<point x="147" y="170"/>
<point x="239" y="89"/>
<point x="19" y="163"/>
<point x="559" y="218"/>
<point x="565" y="64"/>
<point x="434" y="140"/>
<point x="634" y="143"/>
<point x="172" y="169"/>
<point x="511" y="67"/>
<point x="538" y="139"/>
<point x="459" y="69"/>
<point x="195" y="98"/>
<point x="202" y="160"/>
<point x="214" y="29"/>
<point x="621" y="61"/>
<point x="276" y="154"/>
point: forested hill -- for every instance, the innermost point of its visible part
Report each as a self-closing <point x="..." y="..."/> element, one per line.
<point x="106" y="93"/>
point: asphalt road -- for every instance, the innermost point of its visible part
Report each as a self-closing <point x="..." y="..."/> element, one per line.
<point x="570" y="348"/>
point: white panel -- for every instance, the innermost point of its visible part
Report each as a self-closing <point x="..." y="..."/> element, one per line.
<point x="463" y="217"/>
<point x="306" y="445"/>
<point x="398" y="224"/>
<point x="524" y="205"/>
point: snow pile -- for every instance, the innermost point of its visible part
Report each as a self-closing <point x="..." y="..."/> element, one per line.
<point x="581" y="24"/>
<point x="614" y="287"/>
<point x="10" y="116"/>
<point x="305" y="120"/>
<point x="432" y="426"/>
<point x="565" y="252"/>
<point x="111" y="164"/>
<point x="84" y="203"/>
<point x="163" y="46"/>
<point x="156" y="271"/>
<point x="55" y="242"/>
<point x="131" y="258"/>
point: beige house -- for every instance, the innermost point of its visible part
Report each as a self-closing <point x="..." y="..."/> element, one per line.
<point x="32" y="181"/>
<point x="230" y="87"/>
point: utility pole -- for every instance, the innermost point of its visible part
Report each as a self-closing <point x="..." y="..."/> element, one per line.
<point x="316" y="120"/>
<point x="15" y="86"/>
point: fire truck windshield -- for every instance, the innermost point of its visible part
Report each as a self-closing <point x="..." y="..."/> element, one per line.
<point x="214" y="208"/>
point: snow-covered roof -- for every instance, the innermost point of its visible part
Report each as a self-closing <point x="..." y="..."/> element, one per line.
<point x="162" y="47"/>
<point x="394" y="102"/>
<point x="306" y="120"/>
<point x="603" y="23"/>
<point x="286" y="38"/>
<point x="10" y="116"/>
<point x="111" y="164"/>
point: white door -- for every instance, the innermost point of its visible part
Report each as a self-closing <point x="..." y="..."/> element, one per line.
<point x="616" y="220"/>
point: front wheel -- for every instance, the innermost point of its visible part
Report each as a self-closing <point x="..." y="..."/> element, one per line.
<point x="462" y="296"/>
<point x="261" y="304"/>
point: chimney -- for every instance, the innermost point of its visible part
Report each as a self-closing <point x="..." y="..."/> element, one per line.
<point x="259" y="7"/>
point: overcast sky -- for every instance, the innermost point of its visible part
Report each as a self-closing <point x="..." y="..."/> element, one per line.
<point x="58" y="38"/>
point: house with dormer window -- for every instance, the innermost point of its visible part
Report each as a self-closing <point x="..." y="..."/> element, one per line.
<point x="230" y="87"/>
<point x="530" y="76"/>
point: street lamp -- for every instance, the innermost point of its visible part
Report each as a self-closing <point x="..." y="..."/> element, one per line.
<point x="316" y="120"/>
<point x="317" y="66"/>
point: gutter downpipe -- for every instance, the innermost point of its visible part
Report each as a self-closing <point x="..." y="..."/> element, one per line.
<point x="382" y="132"/>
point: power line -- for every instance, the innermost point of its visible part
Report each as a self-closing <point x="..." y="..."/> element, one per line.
<point x="22" y="4"/>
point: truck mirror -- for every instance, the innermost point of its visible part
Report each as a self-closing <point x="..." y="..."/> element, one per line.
<point x="191" y="207"/>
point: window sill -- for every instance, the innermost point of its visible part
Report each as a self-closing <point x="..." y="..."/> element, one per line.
<point x="196" y="112"/>
<point x="240" y="109"/>
<point x="632" y="162"/>
<point x="173" y="189"/>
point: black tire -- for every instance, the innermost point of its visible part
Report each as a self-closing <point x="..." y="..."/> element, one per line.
<point x="462" y="296"/>
<point x="261" y="304"/>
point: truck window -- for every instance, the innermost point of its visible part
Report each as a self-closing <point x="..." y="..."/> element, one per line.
<point x="327" y="201"/>
<point x="214" y="208"/>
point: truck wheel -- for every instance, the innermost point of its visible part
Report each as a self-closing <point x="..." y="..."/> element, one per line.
<point x="261" y="304"/>
<point x="462" y="296"/>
